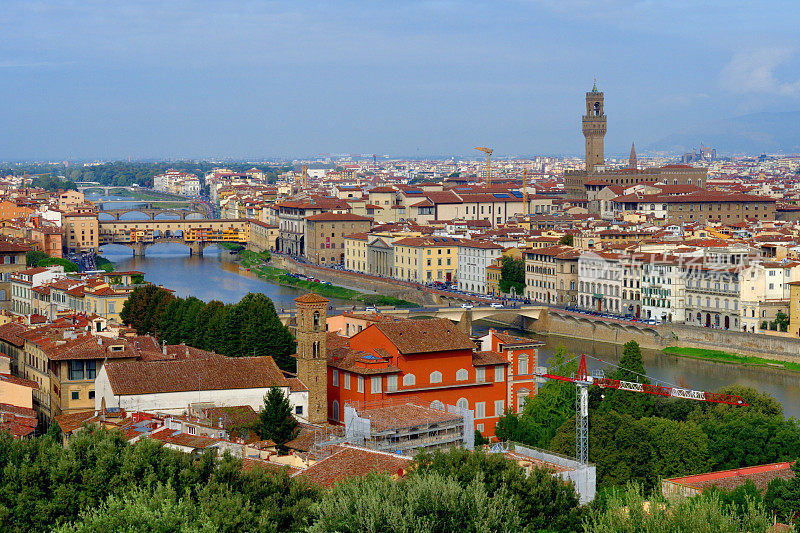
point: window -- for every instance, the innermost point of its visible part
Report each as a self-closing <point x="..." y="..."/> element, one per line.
<point x="75" y="370"/>
<point x="462" y="403"/>
<point x="522" y="397"/>
<point x="523" y="364"/>
<point x="346" y="380"/>
<point x="479" y="427"/>
<point x="298" y="410"/>
<point x="498" y="373"/>
<point x="91" y="395"/>
<point x="436" y="404"/>
<point x="335" y="409"/>
<point x="191" y="430"/>
<point x="360" y="384"/>
<point x="76" y="395"/>
<point x="391" y="382"/>
<point x="462" y="375"/>
<point x="335" y="378"/>
<point x="480" y="409"/>
<point x="480" y="374"/>
<point x="498" y="407"/>
<point x="375" y="384"/>
<point x="409" y="379"/>
<point x="436" y="377"/>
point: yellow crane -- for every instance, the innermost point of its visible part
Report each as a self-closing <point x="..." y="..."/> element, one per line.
<point x="488" y="152"/>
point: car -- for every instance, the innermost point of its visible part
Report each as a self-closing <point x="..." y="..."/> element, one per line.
<point x="370" y="310"/>
<point x="467" y="306"/>
<point x="496" y="305"/>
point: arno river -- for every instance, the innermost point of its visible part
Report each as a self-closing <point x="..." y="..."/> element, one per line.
<point x="215" y="276"/>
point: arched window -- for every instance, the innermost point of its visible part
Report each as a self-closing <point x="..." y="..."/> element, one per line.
<point x="597" y="109"/>
<point x="409" y="379"/>
<point x="522" y="397"/>
<point x="315" y="349"/>
<point x="335" y="410"/>
<point x="462" y="375"/>
<point x="436" y="404"/>
<point x="436" y="377"/>
<point x="316" y="321"/>
<point x="462" y="403"/>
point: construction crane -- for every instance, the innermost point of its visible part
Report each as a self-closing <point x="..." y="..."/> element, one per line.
<point x="488" y="152"/>
<point x="582" y="380"/>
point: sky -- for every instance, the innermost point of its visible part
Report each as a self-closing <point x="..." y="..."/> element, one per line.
<point x="88" y="79"/>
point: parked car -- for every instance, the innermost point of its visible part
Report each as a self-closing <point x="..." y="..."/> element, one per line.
<point x="496" y="305"/>
<point x="467" y="306"/>
<point x="370" y="310"/>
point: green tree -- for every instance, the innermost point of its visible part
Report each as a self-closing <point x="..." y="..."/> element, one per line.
<point x="781" y="321"/>
<point x="428" y="503"/>
<point x="275" y="421"/>
<point x="566" y="240"/>
<point x="545" y="412"/>
<point x="512" y="274"/>
<point x="543" y="502"/>
<point x="631" y="368"/>
<point x="632" y="510"/>
<point x="33" y="257"/>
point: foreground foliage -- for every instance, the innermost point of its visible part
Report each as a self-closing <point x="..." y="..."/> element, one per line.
<point x="630" y="511"/>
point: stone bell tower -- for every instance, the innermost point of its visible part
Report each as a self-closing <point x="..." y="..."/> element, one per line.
<point x="594" y="129"/>
<point x="312" y="355"/>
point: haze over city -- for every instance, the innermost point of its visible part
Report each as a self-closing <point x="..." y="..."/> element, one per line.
<point x="286" y="79"/>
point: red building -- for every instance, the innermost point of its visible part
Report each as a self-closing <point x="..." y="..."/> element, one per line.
<point x="432" y="361"/>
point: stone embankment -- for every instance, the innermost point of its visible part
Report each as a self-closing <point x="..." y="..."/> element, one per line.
<point x="587" y="327"/>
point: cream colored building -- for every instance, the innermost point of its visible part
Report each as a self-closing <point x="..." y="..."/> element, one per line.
<point x="426" y="259"/>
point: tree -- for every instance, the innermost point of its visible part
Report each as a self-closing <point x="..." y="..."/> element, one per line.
<point x="631" y="368"/>
<point x="512" y="274"/>
<point x="566" y="240"/>
<point x="275" y="421"/>
<point x="543" y="502"/>
<point x="480" y="440"/>
<point x="631" y="510"/>
<point x="781" y="321"/>
<point x="544" y="413"/>
<point x="428" y="503"/>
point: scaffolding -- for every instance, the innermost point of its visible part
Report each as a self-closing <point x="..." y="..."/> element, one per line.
<point x="403" y="426"/>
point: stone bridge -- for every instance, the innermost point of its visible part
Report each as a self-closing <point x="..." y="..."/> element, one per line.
<point x="152" y="213"/>
<point x="520" y="317"/>
<point x="84" y="186"/>
<point x="196" y="234"/>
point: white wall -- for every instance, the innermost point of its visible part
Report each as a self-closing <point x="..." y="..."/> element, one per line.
<point x="178" y="402"/>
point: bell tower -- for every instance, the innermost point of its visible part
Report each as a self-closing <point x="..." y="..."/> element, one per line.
<point x="312" y="355"/>
<point x="594" y="129"/>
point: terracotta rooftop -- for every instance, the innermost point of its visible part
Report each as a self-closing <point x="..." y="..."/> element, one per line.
<point x="347" y="461"/>
<point x="136" y="377"/>
<point x="311" y="298"/>
<point x="421" y="336"/>
<point x="761" y="475"/>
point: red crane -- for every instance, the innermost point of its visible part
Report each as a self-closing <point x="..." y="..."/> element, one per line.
<point x="582" y="380"/>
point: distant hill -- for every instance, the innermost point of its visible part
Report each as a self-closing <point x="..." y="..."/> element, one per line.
<point x="752" y="133"/>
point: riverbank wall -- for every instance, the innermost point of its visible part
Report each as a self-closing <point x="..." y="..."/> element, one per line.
<point x="358" y="282"/>
<point x="566" y="324"/>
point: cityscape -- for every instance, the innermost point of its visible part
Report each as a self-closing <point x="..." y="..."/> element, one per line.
<point x="484" y="327"/>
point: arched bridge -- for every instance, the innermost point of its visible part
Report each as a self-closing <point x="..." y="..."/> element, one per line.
<point x="84" y="186"/>
<point x="196" y="234"/>
<point x="152" y="213"/>
<point x="519" y="317"/>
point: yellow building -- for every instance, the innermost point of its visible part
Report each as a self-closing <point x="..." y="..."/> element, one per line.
<point x="104" y="301"/>
<point x="263" y="236"/>
<point x="355" y="252"/>
<point x="426" y="259"/>
<point x="794" y="308"/>
<point x="493" y="275"/>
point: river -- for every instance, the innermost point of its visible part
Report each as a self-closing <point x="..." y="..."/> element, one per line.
<point x="215" y="276"/>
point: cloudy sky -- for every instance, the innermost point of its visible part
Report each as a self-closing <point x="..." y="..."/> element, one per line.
<point x="98" y="79"/>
